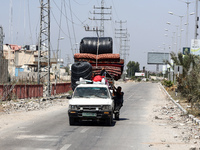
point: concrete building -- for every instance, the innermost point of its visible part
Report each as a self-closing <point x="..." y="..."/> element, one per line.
<point x="23" y="60"/>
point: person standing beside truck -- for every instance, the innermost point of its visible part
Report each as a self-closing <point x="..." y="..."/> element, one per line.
<point x="118" y="101"/>
<point x="119" y="96"/>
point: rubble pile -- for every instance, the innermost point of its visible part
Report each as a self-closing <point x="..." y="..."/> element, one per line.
<point x="30" y="104"/>
<point x="185" y="128"/>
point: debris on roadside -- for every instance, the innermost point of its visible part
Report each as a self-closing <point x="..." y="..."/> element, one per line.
<point x="26" y="105"/>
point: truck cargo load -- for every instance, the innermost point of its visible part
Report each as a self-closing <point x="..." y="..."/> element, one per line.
<point x="100" y="57"/>
<point x="89" y="45"/>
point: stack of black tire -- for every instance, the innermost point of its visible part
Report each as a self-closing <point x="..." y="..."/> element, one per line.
<point x="89" y="45"/>
<point x="78" y="70"/>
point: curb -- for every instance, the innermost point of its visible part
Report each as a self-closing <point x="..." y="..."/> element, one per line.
<point x="191" y="117"/>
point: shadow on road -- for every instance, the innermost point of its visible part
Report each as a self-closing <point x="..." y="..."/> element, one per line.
<point x="100" y="124"/>
<point x="122" y="119"/>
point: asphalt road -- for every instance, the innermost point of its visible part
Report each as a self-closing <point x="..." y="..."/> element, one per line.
<point x="52" y="132"/>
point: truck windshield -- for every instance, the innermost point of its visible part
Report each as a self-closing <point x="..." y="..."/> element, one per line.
<point x="91" y="92"/>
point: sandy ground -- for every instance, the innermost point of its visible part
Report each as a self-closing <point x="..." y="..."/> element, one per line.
<point x="170" y="130"/>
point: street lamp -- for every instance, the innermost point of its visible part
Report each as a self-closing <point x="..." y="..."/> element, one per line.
<point x="61" y="38"/>
<point x="181" y="17"/>
<point x="187" y="26"/>
<point x="58" y="60"/>
<point x="169" y="23"/>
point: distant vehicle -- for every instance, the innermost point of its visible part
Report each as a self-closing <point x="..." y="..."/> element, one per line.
<point x="91" y="102"/>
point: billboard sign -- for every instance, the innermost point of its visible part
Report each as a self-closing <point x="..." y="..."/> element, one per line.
<point x="195" y="46"/>
<point x="157" y="58"/>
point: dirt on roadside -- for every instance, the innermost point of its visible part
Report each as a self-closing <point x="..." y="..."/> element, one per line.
<point x="1" y="109"/>
<point x="172" y="129"/>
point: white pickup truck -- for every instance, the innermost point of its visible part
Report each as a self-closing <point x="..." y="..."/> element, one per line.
<point x="91" y="102"/>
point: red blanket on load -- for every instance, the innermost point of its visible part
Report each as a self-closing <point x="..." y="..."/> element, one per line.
<point x="93" y="56"/>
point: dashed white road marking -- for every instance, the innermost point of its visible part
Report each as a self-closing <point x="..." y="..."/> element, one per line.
<point x="65" y="147"/>
<point x="130" y="96"/>
<point x="38" y="137"/>
<point x="84" y="130"/>
<point x="25" y="148"/>
<point x="20" y="131"/>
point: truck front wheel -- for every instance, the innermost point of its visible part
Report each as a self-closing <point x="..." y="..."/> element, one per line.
<point x="71" y="121"/>
<point x="109" y="120"/>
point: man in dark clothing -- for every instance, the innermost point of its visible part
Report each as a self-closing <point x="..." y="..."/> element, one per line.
<point x="118" y="98"/>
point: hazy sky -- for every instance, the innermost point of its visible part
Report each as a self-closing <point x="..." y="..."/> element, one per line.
<point x="146" y="24"/>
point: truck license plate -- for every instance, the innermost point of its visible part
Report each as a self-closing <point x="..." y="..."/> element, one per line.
<point x="89" y="114"/>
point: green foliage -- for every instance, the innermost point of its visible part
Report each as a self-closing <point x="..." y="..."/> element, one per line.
<point x="70" y="92"/>
<point x="189" y="82"/>
<point x="132" y="67"/>
<point x="139" y="79"/>
<point x="67" y="69"/>
<point x="167" y="83"/>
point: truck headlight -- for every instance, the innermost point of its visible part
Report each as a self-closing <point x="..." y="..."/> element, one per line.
<point x="106" y="107"/>
<point x="73" y="107"/>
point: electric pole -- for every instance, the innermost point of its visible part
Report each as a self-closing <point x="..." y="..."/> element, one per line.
<point x="125" y="49"/>
<point x="44" y="41"/>
<point x="102" y="13"/>
<point x="122" y="32"/>
<point x="1" y="41"/>
<point x="196" y="21"/>
<point x="188" y="3"/>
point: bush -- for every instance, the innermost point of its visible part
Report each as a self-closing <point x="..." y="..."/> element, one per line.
<point x="167" y="83"/>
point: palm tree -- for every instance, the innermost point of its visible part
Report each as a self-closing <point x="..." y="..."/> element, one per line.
<point x="189" y="81"/>
<point x="187" y="61"/>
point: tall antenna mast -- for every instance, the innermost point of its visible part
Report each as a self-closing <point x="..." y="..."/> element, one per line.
<point x="44" y="40"/>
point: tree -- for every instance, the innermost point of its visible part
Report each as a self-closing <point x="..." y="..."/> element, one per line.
<point x="189" y="81"/>
<point x="186" y="61"/>
<point x="132" y="67"/>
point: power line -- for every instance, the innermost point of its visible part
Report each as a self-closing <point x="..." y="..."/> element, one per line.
<point x="68" y="18"/>
<point x="115" y="10"/>
<point x="82" y="4"/>
<point x="72" y="21"/>
<point x="58" y="24"/>
<point x="68" y="28"/>
<point x="59" y="32"/>
<point x="30" y="23"/>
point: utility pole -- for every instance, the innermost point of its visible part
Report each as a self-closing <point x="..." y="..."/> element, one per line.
<point x="125" y="50"/>
<point x="188" y="3"/>
<point x="10" y="65"/>
<point x="1" y="41"/>
<point x="122" y="34"/>
<point x="97" y="32"/>
<point x="44" y="41"/>
<point x="196" y="21"/>
<point x="102" y="13"/>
